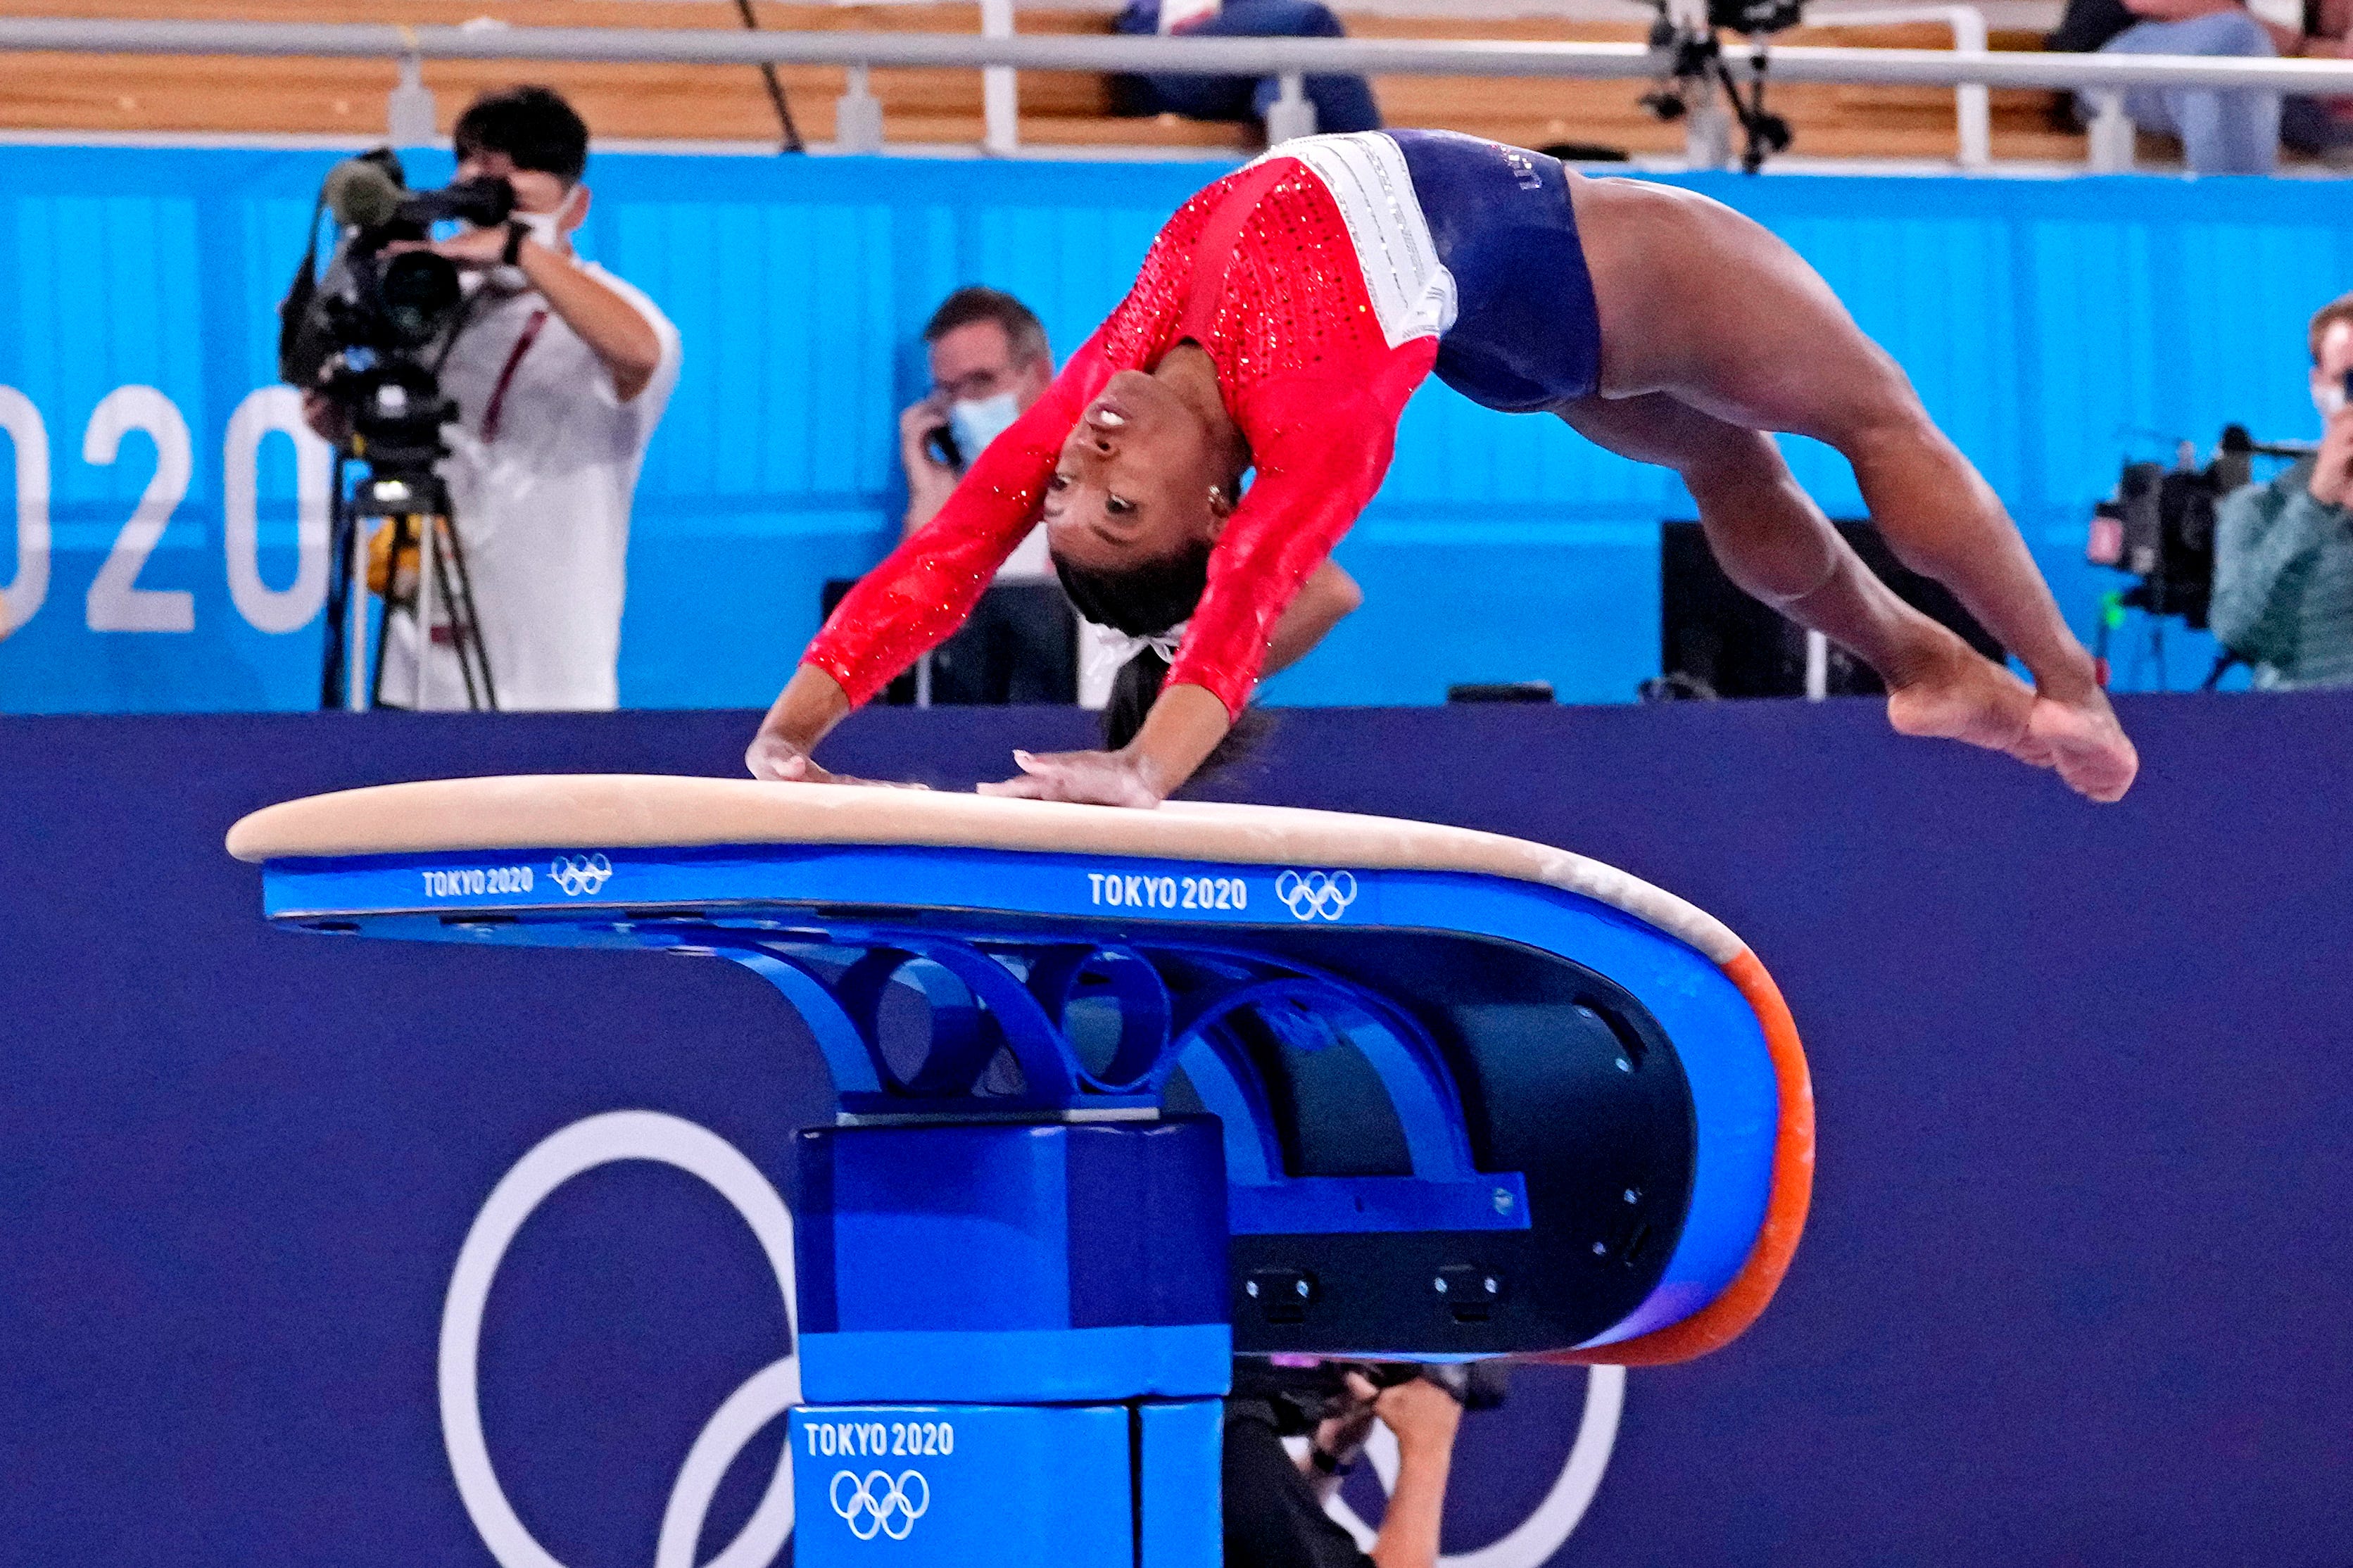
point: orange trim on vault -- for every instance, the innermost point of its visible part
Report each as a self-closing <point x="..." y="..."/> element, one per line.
<point x="1724" y="1319"/>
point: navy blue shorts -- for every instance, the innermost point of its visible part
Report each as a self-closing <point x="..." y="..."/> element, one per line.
<point x="1526" y="334"/>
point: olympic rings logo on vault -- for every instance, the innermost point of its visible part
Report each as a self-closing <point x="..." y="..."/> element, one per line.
<point x="580" y="875"/>
<point x="879" y="1504"/>
<point x="1316" y="895"/>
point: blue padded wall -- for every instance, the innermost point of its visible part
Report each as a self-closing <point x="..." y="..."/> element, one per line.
<point x="2072" y="1295"/>
<point x="2053" y="325"/>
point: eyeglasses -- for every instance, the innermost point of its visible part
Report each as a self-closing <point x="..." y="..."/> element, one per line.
<point x="974" y="385"/>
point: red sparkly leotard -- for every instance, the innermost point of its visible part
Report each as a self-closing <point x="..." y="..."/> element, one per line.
<point x="1321" y="289"/>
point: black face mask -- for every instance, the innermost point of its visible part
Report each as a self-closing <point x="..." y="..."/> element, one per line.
<point x="1142" y="601"/>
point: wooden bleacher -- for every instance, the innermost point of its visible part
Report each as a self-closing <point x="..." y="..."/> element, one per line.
<point x="84" y="93"/>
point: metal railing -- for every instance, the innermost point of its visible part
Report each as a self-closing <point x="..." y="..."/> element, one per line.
<point x="2103" y="78"/>
<point x="1972" y="104"/>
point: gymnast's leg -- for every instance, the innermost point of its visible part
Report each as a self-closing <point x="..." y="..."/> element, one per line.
<point x="1775" y="543"/>
<point x="1714" y="330"/>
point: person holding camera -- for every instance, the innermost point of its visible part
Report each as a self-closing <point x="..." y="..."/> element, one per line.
<point x="1274" y="1514"/>
<point x="560" y="372"/>
<point x="2284" y="550"/>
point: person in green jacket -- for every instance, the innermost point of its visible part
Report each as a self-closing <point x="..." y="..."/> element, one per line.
<point x="2284" y="550"/>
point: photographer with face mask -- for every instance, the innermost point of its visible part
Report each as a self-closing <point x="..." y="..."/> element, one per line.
<point x="2284" y="550"/>
<point x="560" y="370"/>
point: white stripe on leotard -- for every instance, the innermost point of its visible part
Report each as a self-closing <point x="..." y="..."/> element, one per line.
<point x="1412" y="292"/>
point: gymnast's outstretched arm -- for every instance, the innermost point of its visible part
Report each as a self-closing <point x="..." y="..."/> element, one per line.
<point x="1328" y="597"/>
<point x="923" y="590"/>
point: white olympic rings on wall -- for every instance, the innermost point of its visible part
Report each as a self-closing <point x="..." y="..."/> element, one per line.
<point x="1545" y="1531"/>
<point x="877" y="1504"/>
<point x="581" y="1147"/>
<point x="580" y="875"/>
<point x="1316" y="895"/>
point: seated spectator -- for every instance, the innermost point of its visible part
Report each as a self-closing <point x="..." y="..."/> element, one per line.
<point x="1342" y="102"/>
<point x="1275" y="1506"/>
<point x="989" y="362"/>
<point x="2222" y="130"/>
<point x="2284" y="550"/>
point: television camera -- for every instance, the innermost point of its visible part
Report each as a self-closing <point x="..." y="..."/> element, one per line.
<point x="2160" y="528"/>
<point x="370" y="334"/>
<point x="1685" y="38"/>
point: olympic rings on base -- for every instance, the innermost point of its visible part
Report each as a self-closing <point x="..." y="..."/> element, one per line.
<point x="879" y="1504"/>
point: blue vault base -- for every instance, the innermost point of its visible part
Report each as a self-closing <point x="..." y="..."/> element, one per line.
<point x="1055" y="1264"/>
<point x="1013" y="1338"/>
<point x="999" y="1486"/>
<point x="1111" y="1109"/>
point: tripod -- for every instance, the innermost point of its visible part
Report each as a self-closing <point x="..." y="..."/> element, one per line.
<point x="422" y="573"/>
<point x="1692" y="67"/>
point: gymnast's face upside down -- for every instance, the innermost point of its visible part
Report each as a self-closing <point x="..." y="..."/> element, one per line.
<point x="1147" y="473"/>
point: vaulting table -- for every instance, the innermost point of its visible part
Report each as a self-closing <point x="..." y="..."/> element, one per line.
<point x="1121" y="1094"/>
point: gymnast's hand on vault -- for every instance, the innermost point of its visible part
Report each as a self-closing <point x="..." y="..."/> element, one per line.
<point x="1089" y="778"/>
<point x="778" y="761"/>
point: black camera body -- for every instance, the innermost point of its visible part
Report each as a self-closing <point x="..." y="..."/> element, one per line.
<point x="2160" y="527"/>
<point x="360" y="334"/>
<point x="369" y="335"/>
<point x="1303" y="1396"/>
<point x="1754" y="17"/>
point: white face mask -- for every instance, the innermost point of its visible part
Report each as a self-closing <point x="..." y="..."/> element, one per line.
<point x="2328" y="397"/>
<point x="978" y="423"/>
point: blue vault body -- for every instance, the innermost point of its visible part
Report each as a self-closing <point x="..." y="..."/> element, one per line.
<point x="1056" y="1262"/>
<point x="1123" y="1094"/>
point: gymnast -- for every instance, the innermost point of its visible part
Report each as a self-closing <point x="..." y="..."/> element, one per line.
<point x="1279" y="323"/>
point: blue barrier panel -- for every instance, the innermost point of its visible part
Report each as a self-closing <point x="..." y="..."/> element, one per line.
<point x="2072" y="1290"/>
<point x="2054" y="326"/>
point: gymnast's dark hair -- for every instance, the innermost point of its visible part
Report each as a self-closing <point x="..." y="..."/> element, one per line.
<point x="1144" y="601"/>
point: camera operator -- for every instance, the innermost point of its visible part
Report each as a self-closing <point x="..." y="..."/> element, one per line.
<point x="1274" y="1514"/>
<point x="2284" y="550"/>
<point x="560" y="372"/>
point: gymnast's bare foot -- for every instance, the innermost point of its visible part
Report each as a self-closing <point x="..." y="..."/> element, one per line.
<point x="2083" y="739"/>
<point x="1958" y="695"/>
<point x="1954" y="694"/>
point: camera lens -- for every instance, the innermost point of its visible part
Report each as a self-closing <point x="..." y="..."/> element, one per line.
<point x="420" y="291"/>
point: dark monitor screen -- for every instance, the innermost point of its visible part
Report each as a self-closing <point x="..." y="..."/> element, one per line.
<point x="1718" y="639"/>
